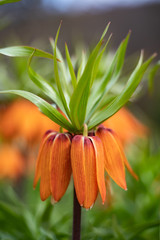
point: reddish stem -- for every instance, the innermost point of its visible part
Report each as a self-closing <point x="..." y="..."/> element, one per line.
<point x="76" y="233"/>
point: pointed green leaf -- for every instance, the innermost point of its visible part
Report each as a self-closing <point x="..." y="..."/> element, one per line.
<point x="63" y="69"/>
<point x="8" y="1"/>
<point x="47" y="88"/>
<point x="124" y="96"/>
<point x="81" y="67"/>
<point x="79" y="99"/>
<point x="109" y="79"/>
<point x="24" y="51"/>
<point x="44" y="107"/>
<point x="57" y="77"/>
<point x="71" y="70"/>
<point x="97" y="61"/>
<point x="152" y="74"/>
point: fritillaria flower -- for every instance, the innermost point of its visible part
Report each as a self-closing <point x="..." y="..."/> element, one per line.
<point x="87" y="158"/>
<point x="53" y="165"/>
<point x="85" y="100"/>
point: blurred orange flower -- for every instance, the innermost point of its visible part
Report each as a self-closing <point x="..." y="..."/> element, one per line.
<point x="23" y="119"/>
<point x="126" y="126"/>
<point x="12" y="164"/>
<point x="22" y="123"/>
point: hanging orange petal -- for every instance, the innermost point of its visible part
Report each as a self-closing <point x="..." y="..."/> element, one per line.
<point x="41" y="155"/>
<point x="60" y="165"/>
<point x="125" y="159"/>
<point x="99" y="157"/>
<point x="90" y="174"/>
<point x="108" y="191"/>
<point x="45" y="189"/>
<point x="78" y="167"/>
<point x="114" y="160"/>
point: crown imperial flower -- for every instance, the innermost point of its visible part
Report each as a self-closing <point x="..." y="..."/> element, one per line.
<point x="82" y="99"/>
<point x="53" y="165"/>
<point x="87" y="158"/>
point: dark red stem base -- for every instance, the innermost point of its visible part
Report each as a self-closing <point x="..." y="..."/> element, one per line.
<point x="76" y="233"/>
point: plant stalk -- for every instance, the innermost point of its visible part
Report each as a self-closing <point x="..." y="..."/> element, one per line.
<point x="76" y="233"/>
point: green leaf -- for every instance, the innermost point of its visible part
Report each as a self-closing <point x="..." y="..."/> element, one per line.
<point x="81" y="67"/>
<point x="72" y="73"/>
<point x="109" y="79"/>
<point x="24" y="51"/>
<point x="44" y="107"/>
<point x="140" y="228"/>
<point x="79" y="99"/>
<point x="8" y="1"/>
<point x="152" y="75"/>
<point x="97" y="61"/>
<point x="57" y="77"/>
<point x="124" y="96"/>
<point x="47" y="88"/>
<point x="63" y="69"/>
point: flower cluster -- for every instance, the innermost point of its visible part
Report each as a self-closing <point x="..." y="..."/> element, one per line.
<point x="87" y="156"/>
<point x="78" y="99"/>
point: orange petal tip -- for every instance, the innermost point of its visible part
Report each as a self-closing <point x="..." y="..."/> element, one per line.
<point x="53" y="201"/>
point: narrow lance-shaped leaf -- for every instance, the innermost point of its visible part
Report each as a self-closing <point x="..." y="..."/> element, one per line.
<point x="8" y="1"/>
<point x="44" y="107"/>
<point x="47" y="88"/>
<point x="72" y="73"/>
<point x="79" y="99"/>
<point x="97" y="61"/>
<point x="152" y="75"/>
<point x="62" y="68"/>
<point x="109" y="79"/>
<point x="124" y="96"/>
<point x="57" y="78"/>
<point x="24" y="51"/>
<point x="81" y="67"/>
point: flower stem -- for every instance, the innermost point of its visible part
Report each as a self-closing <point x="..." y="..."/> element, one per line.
<point x="85" y="130"/>
<point x="76" y="219"/>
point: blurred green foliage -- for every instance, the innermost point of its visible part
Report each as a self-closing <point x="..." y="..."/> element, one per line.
<point x="132" y="215"/>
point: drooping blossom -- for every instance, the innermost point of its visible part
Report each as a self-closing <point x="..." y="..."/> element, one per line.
<point x="87" y="158"/>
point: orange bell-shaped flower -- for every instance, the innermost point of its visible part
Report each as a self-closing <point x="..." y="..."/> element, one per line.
<point x="87" y="159"/>
<point x="53" y="165"/>
<point x="114" y="157"/>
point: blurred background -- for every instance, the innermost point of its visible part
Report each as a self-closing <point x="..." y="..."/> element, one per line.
<point x="134" y="214"/>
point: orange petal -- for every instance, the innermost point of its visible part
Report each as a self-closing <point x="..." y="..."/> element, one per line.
<point x="60" y="165"/>
<point x="78" y="167"/>
<point x="90" y="174"/>
<point x="42" y="152"/>
<point x="108" y="190"/>
<point x="114" y="159"/>
<point x="99" y="157"/>
<point x="125" y="159"/>
<point x="45" y="189"/>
